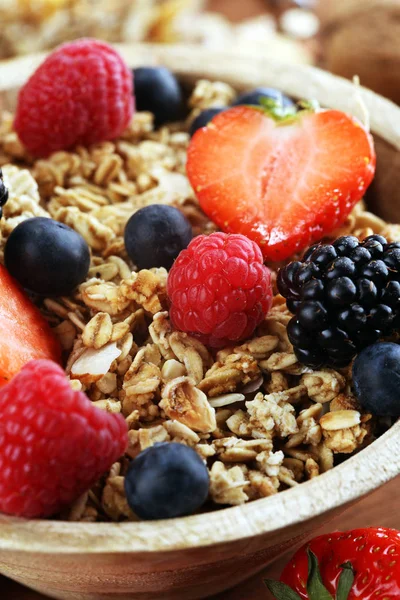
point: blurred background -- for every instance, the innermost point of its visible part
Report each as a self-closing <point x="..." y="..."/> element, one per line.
<point x="347" y="37"/>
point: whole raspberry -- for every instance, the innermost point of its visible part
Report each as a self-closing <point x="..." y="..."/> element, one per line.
<point x="81" y="94"/>
<point x="54" y="444"/>
<point x="219" y="289"/>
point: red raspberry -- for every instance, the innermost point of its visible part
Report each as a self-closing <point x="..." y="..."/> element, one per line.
<point x="54" y="444"/>
<point x="219" y="289"/>
<point x="81" y="94"/>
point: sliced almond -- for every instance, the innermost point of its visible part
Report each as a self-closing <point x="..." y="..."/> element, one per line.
<point x="226" y="399"/>
<point x="340" y="419"/>
<point x="93" y="364"/>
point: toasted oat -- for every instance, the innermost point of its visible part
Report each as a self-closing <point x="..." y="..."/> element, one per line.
<point x="260" y="420"/>
<point x="182" y="401"/>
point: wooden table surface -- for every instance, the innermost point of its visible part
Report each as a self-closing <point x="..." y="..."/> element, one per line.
<point x="379" y="509"/>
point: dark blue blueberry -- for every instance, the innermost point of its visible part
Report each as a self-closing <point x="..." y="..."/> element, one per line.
<point x="166" y="481"/>
<point x="204" y="118"/>
<point x="256" y="97"/>
<point x="155" y="235"/>
<point x="157" y="90"/>
<point x="376" y="379"/>
<point x="47" y="257"/>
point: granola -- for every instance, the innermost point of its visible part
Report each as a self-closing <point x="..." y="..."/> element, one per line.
<point x="261" y="421"/>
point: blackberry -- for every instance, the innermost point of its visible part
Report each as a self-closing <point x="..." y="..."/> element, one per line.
<point x="344" y="296"/>
<point x="3" y="194"/>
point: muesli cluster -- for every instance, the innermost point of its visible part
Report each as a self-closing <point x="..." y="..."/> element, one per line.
<point x="260" y="420"/>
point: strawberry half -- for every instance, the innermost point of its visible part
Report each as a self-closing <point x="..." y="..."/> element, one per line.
<point x="24" y="332"/>
<point x="362" y="564"/>
<point x="283" y="183"/>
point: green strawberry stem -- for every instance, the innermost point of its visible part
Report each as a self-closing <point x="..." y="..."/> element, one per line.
<point x="346" y="581"/>
<point x="284" y="115"/>
<point x="315" y="587"/>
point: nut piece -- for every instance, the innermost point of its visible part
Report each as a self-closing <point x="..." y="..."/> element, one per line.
<point x="340" y="419"/>
<point x="93" y="364"/>
<point x="98" y="331"/>
<point x="182" y="401"/>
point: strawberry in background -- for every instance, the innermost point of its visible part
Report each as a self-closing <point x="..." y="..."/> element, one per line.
<point x="363" y="564"/>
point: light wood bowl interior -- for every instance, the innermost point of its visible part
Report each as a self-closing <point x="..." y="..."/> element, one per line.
<point x="201" y="555"/>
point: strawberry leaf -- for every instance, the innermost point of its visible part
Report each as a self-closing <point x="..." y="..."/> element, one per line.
<point x="315" y="588"/>
<point x="346" y="581"/>
<point x="280" y="590"/>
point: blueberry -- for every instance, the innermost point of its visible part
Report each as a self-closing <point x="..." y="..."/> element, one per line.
<point x="47" y="257"/>
<point x="204" y="118"/>
<point x="376" y="379"/>
<point x="155" y="235"/>
<point x="166" y="481"/>
<point x="256" y="97"/>
<point x="157" y="90"/>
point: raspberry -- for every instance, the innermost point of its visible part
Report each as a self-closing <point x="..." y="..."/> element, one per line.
<point x="54" y="444"/>
<point x="81" y="94"/>
<point x="219" y="289"/>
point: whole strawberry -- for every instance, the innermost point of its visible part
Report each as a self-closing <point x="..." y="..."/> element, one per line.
<point x="219" y="289"/>
<point x="81" y="94"/>
<point x="54" y="444"/>
<point x="362" y="564"/>
<point x="285" y="182"/>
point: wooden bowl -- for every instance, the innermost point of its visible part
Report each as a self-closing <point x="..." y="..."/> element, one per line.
<point x="197" y="556"/>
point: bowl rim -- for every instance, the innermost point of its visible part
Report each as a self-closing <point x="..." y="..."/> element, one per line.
<point x="354" y="478"/>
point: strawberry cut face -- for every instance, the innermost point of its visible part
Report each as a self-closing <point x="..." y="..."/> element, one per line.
<point x="284" y="185"/>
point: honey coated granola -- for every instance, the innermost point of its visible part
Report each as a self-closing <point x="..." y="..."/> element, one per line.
<point x="260" y="420"/>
